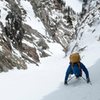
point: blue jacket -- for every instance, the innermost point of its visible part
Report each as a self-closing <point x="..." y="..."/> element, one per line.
<point x="77" y="70"/>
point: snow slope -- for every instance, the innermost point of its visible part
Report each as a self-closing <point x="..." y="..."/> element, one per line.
<point x="76" y="5"/>
<point x="31" y="19"/>
<point x="79" y="89"/>
<point x="3" y="12"/>
<point x="46" y="81"/>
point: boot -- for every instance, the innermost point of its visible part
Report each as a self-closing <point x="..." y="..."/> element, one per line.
<point x="88" y="80"/>
<point x="65" y="83"/>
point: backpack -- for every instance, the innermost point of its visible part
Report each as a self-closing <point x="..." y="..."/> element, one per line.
<point x="74" y="58"/>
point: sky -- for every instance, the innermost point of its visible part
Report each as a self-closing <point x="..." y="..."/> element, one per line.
<point x="46" y="81"/>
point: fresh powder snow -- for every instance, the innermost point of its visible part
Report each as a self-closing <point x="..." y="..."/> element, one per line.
<point x="76" y="5"/>
<point x="31" y="19"/>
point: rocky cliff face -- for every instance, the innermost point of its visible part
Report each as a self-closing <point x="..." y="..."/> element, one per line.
<point x="20" y="42"/>
<point x="87" y="35"/>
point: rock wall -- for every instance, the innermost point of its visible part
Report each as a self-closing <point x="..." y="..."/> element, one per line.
<point x="20" y="43"/>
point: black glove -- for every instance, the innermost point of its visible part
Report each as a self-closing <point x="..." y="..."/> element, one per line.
<point x="88" y="80"/>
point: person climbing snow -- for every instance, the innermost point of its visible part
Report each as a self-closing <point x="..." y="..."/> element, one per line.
<point x="76" y="67"/>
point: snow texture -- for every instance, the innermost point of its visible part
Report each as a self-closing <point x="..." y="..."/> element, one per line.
<point x="46" y="82"/>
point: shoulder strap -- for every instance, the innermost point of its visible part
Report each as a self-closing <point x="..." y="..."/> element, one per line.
<point x="79" y="65"/>
<point x="72" y="64"/>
